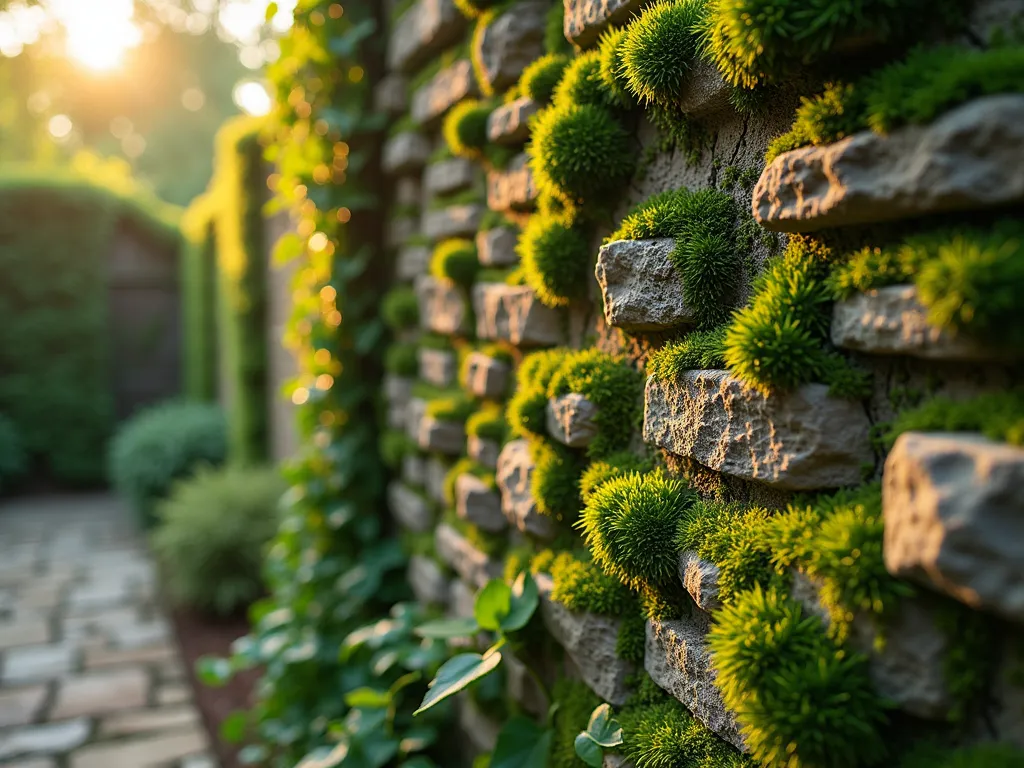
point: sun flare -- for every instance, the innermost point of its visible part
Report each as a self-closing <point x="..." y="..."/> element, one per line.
<point x="99" y="32"/>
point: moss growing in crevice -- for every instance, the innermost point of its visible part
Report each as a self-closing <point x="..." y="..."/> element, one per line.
<point x="555" y="259"/>
<point x="581" y="586"/>
<point x="455" y="406"/>
<point x="400" y="308"/>
<point x="659" y="47"/>
<point x="997" y="415"/>
<point x="527" y="407"/>
<point x="696" y="350"/>
<point x="610" y="467"/>
<point x="394" y="446"/>
<point x="612" y="70"/>
<point x="465" y="128"/>
<point x="455" y="260"/>
<point x="401" y="359"/>
<point x="540" y="78"/>
<point x="574" y="702"/>
<point x="581" y="83"/>
<point x="554" y="484"/>
<point x="466" y="466"/>
<point x="488" y="424"/>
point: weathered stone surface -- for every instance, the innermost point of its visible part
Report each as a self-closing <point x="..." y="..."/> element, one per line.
<point x="447" y="88"/>
<point x="700" y="579"/>
<point x="585" y="20"/>
<point x="506" y="46"/>
<point x="483" y="451"/>
<point x="26" y="629"/>
<point x="891" y="321"/>
<point x="472" y="565"/>
<point x="952" y="505"/>
<point x="677" y="659"/>
<point x="397" y="389"/>
<point x="509" y="124"/>
<point x="415" y="411"/>
<point x="513" y="313"/>
<point x="48" y="739"/>
<point x="454" y="221"/>
<point x="437" y="366"/>
<point x="571" y="420"/>
<point x="391" y="96"/>
<point x="428" y="27"/>
<point x="406" y="152"/>
<point x="590" y="640"/>
<point x="461" y="599"/>
<point x="479" y="504"/>
<point x="144" y="720"/>
<point x="513" y="188"/>
<point x="487" y="376"/>
<point x="447" y="437"/>
<point x="452" y="175"/>
<point x="800" y="440"/>
<point x="409" y="508"/>
<point x="427" y="580"/>
<point x="413" y="261"/>
<point x="641" y="288"/>
<point x="175" y="693"/>
<point x="442" y="306"/>
<point x="966" y="159"/>
<point x="154" y="749"/>
<point x="21" y="706"/>
<point x="497" y="247"/>
<point x="437" y="471"/>
<point x="100" y="692"/>
<point x="414" y="470"/>
<point x="515" y="469"/>
<point x="399" y="231"/>
<point x="38" y="662"/>
<point x="705" y="93"/>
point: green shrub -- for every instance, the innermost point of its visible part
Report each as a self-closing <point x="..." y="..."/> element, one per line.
<point x="801" y="700"/>
<point x="465" y="128"/>
<point x="400" y="308"/>
<point x="998" y="415"/>
<point x="555" y="260"/>
<point x="695" y="351"/>
<point x="395" y="445"/>
<point x="540" y="78"/>
<point x="659" y="47"/>
<point x="13" y="460"/>
<point x="198" y="263"/>
<point x="211" y="534"/>
<point x="555" y="482"/>
<point x="612" y="71"/>
<point x="579" y="152"/>
<point x="488" y="424"/>
<point x="528" y="406"/>
<point x="162" y="445"/>
<point x="581" y="83"/>
<point x="455" y="260"/>
<point x="608" y="468"/>
<point x="402" y="359"/>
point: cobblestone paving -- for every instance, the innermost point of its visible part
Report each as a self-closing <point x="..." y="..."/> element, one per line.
<point x="90" y="674"/>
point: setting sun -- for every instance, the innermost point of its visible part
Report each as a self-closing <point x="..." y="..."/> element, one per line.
<point x="99" y="32"/>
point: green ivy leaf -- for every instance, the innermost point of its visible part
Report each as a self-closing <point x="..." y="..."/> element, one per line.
<point x="524" y="602"/>
<point x="458" y="672"/>
<point x="213" y="671"/>
<point x="588" y="751"/>
<point x="445" y="629"/>
<point x="368" y="698"/>
<point x="522" y="744"/>
<point x="271" y="12"/>
<point x="233" y="727"/>
<point x="493" y="604"/>
<point x="603" y="728"/>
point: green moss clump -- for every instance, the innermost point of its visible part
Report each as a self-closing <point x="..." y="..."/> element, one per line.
<point x="555" y="260"/>
<point x="608" y="468"/>
<point x="457" y="407"/>
<point x="527" y="407"/>
<point x="554" y="31"/>
<point x="555" y="482"/>
<point x="400" y="308"/>
<point x="659" y="47"/>
<point x="465" y="466"/>
<point x="573" y="702"/>
<point x="465" y="128"/>
<point x="540" y="78"/>
<point x="998" y="415"/>
<point x="801" y="699"/>
<point x="579" y="152"/>
<point x="695" y="351"/>
<point x="631" y="642"/>
<point x="978" y="756"/>
<point x="401" y="359"/>
<point x="395" y="445"/>
<point x="612" y="71"/>
<point x="582" y="586"/>
<point x="630" y="525"/>
<point x="487" y="424"/>
<point x="581" y="83"/>
<point x="455" y="260"/>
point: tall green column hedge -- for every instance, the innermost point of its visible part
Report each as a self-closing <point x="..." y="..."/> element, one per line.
<point x="199" y="301"/>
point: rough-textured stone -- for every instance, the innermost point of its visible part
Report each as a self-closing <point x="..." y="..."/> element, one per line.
<point x="677" y="659"/>
<point x="891" y="321"/>
<point x="513" y="188"/>
<point x="454" y="221"/>
<point x="952" y="505"/>
<point x="513" y="313"/>
<point x="506" y="46"/>
<point x="38" y="662"/>
<point x="706" y="93"/>
<point x="174" y="693"/>
<point x="479" y="504"/>
<point x="968" y="158"/>
<point x="437" y="366"/>
<point x="700" y="579"/>
<point x="452" y="175"/>
<point x="447" y="437"/>
<point x="48" y="739"/>
<point x="509" y="124"/>
<point x="21" y="706"/>
<point x="472" y="565"/>
<point x="442" y="306"/>
<point x="414" y="470"/>
<point x="413" y="261"/>
<point x="427" y="580"/>
<point x="406" y="152"/>
<point x="409" y="508"/>
<point x="487" y="376"/>
<point x="437" y="471"/>
<point x="426" y="28"/>
<point x="391" y="96"/>
<point x="515" y="469"/>
<point x="446" y="89"/>
<point x="585" y="20"/>
<point x="641" y="288"/>
<point x="800" y="440"/>
<point x="100" y="692"/>
<point x="154" y="749"/>
<point x="590" y="640"/>
<point x="572" y="420"/>
<point x="483" y="451"/>
<point x="497" y="247"/>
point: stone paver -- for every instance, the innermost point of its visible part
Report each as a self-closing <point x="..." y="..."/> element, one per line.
<point x="90" y="675"/>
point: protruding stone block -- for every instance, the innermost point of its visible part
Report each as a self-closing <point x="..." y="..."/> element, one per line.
<point x="515" y="470"/>
<point x="497" y="247"/>
<point x="427" y="580"/>
<point x="700" y="579"/>
<point x="447" y="88"/>
<point x="454" y="221"/>
<point x="953" y="519"/>
<point x="483" y="451"/>
<point x="966" y="159"/>
<point x="442" y="306"/>
<point x="472" y="565"/>
<point x="415" y="411"/>
<point x="406" y="152"/>
<point x="437" y="366"/>
<point x="437" y="471"/>
<point x="414" y="470"/>
<point x="641" y="288"/>
<point x="407" y="191"/>
<point x="509" y="124"/>
<point x="452" y="175"/>
<point x="391" y="96"/>
<point x="590" y="641"/>
<point x="799" y="440"/>
<point x="413" y="261"/>
<point x="513" y="188"/>
<point x="509" y="43"/>
<point x="572" y="420"/>
<point x="428" y="27"/>
<point x="585" y="20"/>
<point x="677" y="659"/>
<point x="486" y="376"/>
<point x="479" y="504"/>
<point x="409" y="508"/>
<point x="513" y="313"/>
<point x="891" y="321"/>
<point x="437" y="436"/>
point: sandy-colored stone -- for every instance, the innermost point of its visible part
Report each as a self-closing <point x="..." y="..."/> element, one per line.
<point x="437" y="366"/>
<point x="96" y="693"/>
<point x="509" y="43"/>
<point x="26" y="629"/>
<point x="513" y="313"/>
<point x="641" y="288"/>
<point x="497" y="247"/>
<point x="46" y="739"/>
<point x="442" y="306"/>
<point x="512" y="188"/>
<point x="479" y="504"/>
<point x="509" y="124"/>
<point x="514" y="473"/>
<point x="572" y="420"/>
<point x="486" y="376"/>
<point x="142" y="752"/>
<point x="700" y="579"/>
<point x="145" y="720"/>
<point x="446" y="89"/>
<point x="585" y="20"/>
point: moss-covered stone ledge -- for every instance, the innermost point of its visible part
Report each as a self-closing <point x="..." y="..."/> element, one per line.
<point x="572" y="420"/>
<point x="514" y="476"/>
<point x="453" y="221"/>
<point x="508" y="43"/>
<point x="443" y="307"/>
<point x="426" y="28"/>
<point x="799" y="440"/>
<point x="513" y="313"/>
<point x="486" y="376"/>
<point x="412" y="511"/>
<point x="952" y="504"/>
<point x="967" y="159"/>
<point x="478" y="503"/>
<point x="641" y="287"/>
<point x="509" y="124"/>
<point x="496" y="247"/>
<point x="585" y="20"/>
<point x="440" y="436"/>
<point x="453" y="174"/>
<point x="483" y="451"/>
<point x="472" y="565"/>
<point x="446" y="89"/>
<point x="512" y="189"/>
<point x="405" y="153"/>
<point x="437" y="366"/>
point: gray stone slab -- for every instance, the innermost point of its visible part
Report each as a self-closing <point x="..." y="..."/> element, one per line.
<point x="38" y="662"/>
<point x="47" y="739"/>
<point x="426" y="28"/>
<point x="21" y="706"/>
<point x="97" y="693"/>
<point x="585" y="20"/>
<point x="509" y="124"/>
<point x="509" y="43"/>
<point x="513" y="313"/>
<point x="641" y="288"/>
<point x="446" y="89"/>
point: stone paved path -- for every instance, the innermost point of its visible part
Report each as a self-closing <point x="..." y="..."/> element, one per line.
<point x="90" y="674"/>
